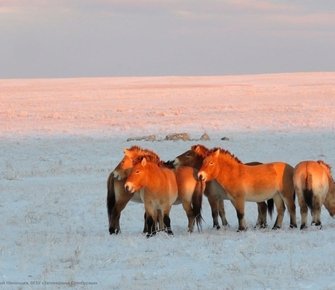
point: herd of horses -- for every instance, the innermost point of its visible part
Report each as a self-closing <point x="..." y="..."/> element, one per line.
<point x="141" y="176"/>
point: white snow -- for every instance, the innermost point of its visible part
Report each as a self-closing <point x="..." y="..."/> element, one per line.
<point x="60" y="138"/>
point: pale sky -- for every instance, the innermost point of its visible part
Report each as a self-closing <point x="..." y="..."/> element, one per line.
<point x="78" y="38"/>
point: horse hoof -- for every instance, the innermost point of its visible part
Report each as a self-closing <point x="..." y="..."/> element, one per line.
<point x="261" y="226"/>
<point x="218" y="227"/>
<point x="169" y="231"/>
<point x="303" y="226"/>
<point x="276" y="227"/>
<point x="150" y="235"/>
<point x="292" y="226"/>
<point x="316" y="224"/>
<point x="112" y="231"/>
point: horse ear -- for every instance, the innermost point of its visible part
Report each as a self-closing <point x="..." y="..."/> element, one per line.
<point x="126" y="152"/>
<point x="196" y="149"/>
<point x="217" y="152"/>
<point x="144" y="162"/>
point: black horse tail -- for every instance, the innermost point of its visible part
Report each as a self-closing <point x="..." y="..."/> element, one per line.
<point x="308" y="191"/>
<point x="197" y="203"/>
<point x="110" y="197"/>
<point x="270" y="205"/>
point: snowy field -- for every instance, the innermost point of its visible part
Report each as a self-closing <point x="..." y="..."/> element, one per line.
<point x="60" y="139"/>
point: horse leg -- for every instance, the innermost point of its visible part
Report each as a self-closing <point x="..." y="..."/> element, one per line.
<point x="289" y="202"/>
<point x="189" y="213"/>
<point x="213" y="202"/>
<point x="167" y="223"/>
<point x="316" y="212"/>
<point x="262" y="215"/>
<point x="120" y="204"/>
<point x="145" y="228"/>
<point x="160" y="223"/>
<point x="239" y="206"/>
<point x="303" y="209"/>
<point x="222" y="212"/>
<point x="280" y="206"/>
<point x="150" y="225"/>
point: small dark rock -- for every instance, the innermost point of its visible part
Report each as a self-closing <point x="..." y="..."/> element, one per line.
<point x="143" y="138"/>
<point x="178" y="136"/>
<point x="225" y="139"/>
<point x="204" y="137"/>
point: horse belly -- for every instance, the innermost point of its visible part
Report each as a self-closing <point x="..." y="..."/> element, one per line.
<point x="214" y="188"/>
<point x="178" y="201"/>
<point x="259" y="196"/>
<point x="174" y="199"/>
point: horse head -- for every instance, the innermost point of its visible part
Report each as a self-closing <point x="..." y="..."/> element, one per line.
<point x="192" y="158"/>
<point x="135" y="178"/>
<point x="209" y="169"/>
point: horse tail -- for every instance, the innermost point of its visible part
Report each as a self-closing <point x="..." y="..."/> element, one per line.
<point x="270" y="205"/>
<point x="197" y="203"/>
<point x="308" y="191"/>
<point x="110" y="196"/>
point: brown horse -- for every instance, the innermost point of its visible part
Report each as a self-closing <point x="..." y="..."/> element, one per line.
<point x="158" y="189"/>
<point x="189" y="189"/>
<point x="314" y="186"/>
<point x="251" y="183"/>
<point x="117" y="196"/>
<point x="214" y="191"/>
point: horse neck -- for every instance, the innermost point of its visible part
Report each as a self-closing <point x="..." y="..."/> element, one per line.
<point x="331" y="184"/>
<point x="228" y="168"/>
<point x="198" y="162"/>
<point x="153" y="174"/>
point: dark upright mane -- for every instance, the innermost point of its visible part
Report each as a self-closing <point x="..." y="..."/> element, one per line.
<point x="225" y="152"/>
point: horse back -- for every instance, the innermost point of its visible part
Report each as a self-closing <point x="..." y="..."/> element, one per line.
<point x="268" y="177"/>
<point x="268" y="171"/>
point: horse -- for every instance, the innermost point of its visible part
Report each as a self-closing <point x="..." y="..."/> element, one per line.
<point x="158" y="189"/>
<point x="251" y="183"/>
<point x="214" y="191"/>
<point x="189" y="189"/>
<point x="314" y="185"/>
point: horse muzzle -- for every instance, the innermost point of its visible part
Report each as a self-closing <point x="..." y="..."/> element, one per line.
<point x="116" y="175"/>
<point x="202" y="176"/>
<point x="176" y="162"/>
<point x="129" y="187"/>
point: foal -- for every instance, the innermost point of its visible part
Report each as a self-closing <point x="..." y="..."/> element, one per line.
<point x="314" y="186"/>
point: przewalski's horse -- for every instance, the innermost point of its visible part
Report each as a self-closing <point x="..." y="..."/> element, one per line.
<point x="251" y="183"/>
<point x="314" y="186"/>
<point x="214" y="191"/>
<point x="117" y="196"/>
<point x="158" y="189"/>
<point x="189" y="189"/>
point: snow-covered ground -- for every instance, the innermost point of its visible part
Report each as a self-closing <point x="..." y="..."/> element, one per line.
<point x="60" y="138"/>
